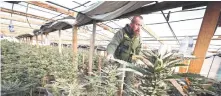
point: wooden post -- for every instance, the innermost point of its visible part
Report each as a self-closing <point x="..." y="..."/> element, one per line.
<point x="25" y="39"/>
<point x="184" y="69"/>
<point x="42" y="39"/>
<point x="46" y="38"/>
<point x="59" y="45"/>
<point x="91" y="52"/>
<point x="207" y="31"/>
<point x="178" y="87"/>
<point x="83" y="58"/>
<point x="74" y="46"/>
<point x="74" y="43"/>
<point x="19" y="40"/>
<point x="37" y="41"/>
<point x="31" y="38"/>
<point x="122" y="82"/>
<point x="105" y="53"/>
<point x="28" y="40"/>
<point x="99" y="64"/>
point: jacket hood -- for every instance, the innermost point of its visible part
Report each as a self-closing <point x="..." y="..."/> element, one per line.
<point x="129" y="31"/>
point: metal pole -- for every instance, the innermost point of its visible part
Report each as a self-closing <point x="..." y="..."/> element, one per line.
<point x="91" y="52"/>
<point x="59" y="33"/>
<point x="210" y="66"/>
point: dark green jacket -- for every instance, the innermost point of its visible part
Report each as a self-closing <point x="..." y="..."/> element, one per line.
<point x="124" y="44"/>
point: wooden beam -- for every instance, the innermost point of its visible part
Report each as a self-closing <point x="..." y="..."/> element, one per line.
<point x="17" y="30"/>
<point x="158" y="7"/>
<point x="60" y="10"/>
<point x="177" y="86"/>
<point x="18" y="27"/>
<point x="207" y="31"/>
<point x="91" y="52"/>
<point x="16" y="33"/>
<point x="24" y="14"/>
<point x="105" y="27"/>
<point x="52" y="8"/>
<point x="43" y="18"/>
<point x="15" y="18"/>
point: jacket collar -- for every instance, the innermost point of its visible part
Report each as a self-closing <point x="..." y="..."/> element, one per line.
<point x="129" y="31"/>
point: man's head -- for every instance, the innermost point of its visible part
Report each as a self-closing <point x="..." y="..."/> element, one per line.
<point x="136" y="24"/>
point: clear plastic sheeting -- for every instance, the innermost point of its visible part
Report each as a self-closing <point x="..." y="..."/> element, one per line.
<point x="185" y="22"/>
<point x="101" y="12"/>
<point x="161" y="29"/>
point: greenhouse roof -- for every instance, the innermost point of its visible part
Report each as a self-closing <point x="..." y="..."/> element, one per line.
<point x="183" y="21"/>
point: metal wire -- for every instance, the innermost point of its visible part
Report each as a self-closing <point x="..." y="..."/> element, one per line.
<point x="171" y="29"/>
<point x="176" y="21"/>
<point x="80" y="3"/>
<point x="26" y="15"/>
<point x="66" y="8"/>
<point x="12" y="12"/>
<point x="39" y="9"/>
<point x="183" y="11"/>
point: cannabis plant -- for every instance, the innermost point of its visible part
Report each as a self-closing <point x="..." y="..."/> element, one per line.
<point x="216" y="88"/>
<point x="30" y="64"/>
<point x="103" y="83"/>
<point x="153" y="76"/>
<point x="157" y="70"/>
<point x="195" y="85"/>
<point x="15" y="88"/>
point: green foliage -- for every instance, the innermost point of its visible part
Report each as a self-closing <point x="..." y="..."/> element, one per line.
<point x="28" y="66"/>
<point x="16" y="88"/>
<point x="155" y="73"/>
<point x="216" y="88"/>
<point x="104" y="83"/>
<point x="196" y="84"/>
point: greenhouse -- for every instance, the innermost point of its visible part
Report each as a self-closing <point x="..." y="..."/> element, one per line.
<point x="110" y="48"/>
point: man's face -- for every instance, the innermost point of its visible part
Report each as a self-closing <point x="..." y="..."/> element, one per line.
<point x="136" y="25"/>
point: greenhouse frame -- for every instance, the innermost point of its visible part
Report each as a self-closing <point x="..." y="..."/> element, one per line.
<point x="59" y="48"/>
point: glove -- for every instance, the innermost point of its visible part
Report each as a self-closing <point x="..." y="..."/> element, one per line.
<point x="110" y="57"/>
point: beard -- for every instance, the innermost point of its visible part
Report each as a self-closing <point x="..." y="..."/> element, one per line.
<point x="137" y="32"/>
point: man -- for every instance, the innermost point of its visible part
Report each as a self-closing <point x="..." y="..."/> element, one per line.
<point x="126" y="43"/>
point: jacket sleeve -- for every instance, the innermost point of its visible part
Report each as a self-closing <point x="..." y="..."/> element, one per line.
<point x="112" y="46"/>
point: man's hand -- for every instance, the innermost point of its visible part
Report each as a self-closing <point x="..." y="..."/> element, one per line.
<point x="110" y="57"/>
